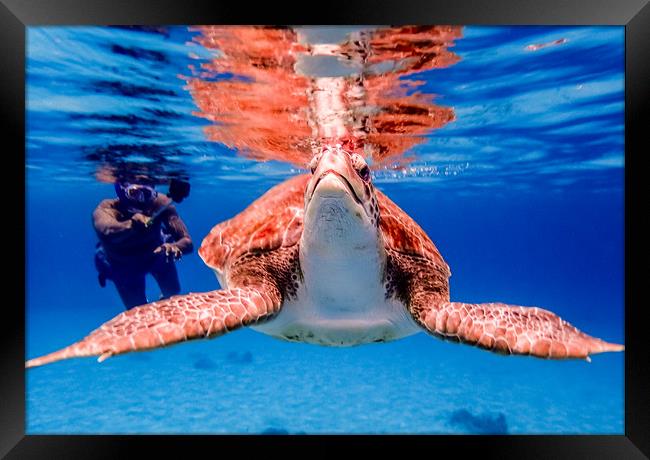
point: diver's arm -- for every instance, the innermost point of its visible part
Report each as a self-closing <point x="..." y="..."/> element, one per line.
<point x="178" y="230"/>
<point x="107" y="226"/>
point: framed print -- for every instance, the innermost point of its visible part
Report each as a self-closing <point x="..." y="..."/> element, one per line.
<point x="243" y="223"/>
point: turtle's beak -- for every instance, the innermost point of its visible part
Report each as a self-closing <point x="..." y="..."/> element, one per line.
<point x="331" y="184"/>
<point x="334" y="177"/>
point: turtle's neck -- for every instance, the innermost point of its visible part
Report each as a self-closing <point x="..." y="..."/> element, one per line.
<point x="341" y="258"/>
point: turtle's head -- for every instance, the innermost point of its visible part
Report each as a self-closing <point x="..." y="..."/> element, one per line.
<point x="340" y="201"/>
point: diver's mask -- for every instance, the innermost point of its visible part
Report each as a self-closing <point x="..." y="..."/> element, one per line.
<point x="136" y="196"/>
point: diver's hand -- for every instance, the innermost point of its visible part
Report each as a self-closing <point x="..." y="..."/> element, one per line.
<point x="139" y="220"/>
<point x="171" y="251"/>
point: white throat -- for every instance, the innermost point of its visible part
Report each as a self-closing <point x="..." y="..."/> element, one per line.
<point x="342" y="256"/>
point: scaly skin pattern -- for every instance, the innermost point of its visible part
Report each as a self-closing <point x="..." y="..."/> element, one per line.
<point x="507" y="329"/>
<point x="177" y="319"/>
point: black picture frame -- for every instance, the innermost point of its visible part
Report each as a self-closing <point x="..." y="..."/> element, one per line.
<point x="16" y="15"/>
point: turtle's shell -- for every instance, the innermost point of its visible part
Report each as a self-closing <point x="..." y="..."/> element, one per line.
<point x="275" y="220"/>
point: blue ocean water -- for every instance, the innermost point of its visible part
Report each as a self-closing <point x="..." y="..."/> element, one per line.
<point x="522" y="194"/>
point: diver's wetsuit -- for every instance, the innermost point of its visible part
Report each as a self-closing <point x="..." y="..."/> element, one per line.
<point x="125" y="252"/>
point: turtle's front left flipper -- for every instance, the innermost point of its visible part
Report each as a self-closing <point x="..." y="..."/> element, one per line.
<point x="179" y="318"/>
<point x="506" y="329"/>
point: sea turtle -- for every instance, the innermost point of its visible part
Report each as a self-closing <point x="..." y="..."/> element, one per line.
<point x="328" y="259"/>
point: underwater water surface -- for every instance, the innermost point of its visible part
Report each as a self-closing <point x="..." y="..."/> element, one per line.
<point x="504" y="143"/>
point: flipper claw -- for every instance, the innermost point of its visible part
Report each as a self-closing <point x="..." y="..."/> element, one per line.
<point x="104" y="357"/>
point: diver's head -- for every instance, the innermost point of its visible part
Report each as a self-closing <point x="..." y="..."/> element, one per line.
<point x="137" y="195"/>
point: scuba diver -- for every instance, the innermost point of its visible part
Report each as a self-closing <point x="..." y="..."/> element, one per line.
<point x="140" y="232"/>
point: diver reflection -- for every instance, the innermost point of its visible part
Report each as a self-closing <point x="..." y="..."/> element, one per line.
<point x="140" y="233"/>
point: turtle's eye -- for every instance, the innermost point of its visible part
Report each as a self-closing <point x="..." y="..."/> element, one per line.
<point x="361" y="166"/>
<point x="364" y="173"/>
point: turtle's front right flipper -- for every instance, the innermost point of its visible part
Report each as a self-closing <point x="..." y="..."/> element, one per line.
<point x="179" y="318"/>
<point x="506" y="329"/>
